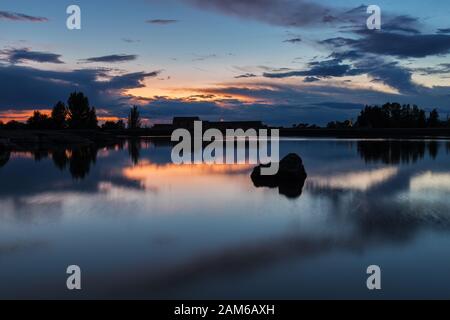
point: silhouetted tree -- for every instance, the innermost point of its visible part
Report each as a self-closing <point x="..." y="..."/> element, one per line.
<point x="92" y="122"/>
<point x="421" y="118"/>
<point x="120" y="125"/>
<point x="39" y="121"/>
<point x="433" y="120"/>
<point x="59" y="116"/>
<point x="2" y="125"/>
<point x="111" y="125"/>
<point x="15" y="125"/>
<point x="394" y="115"/>
<point x="81" y="116"/>
<point x="134" y="119"/>
<point x="340" y="125"/>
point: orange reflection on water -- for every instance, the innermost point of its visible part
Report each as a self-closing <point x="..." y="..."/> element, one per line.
<point x="179" y="185"/>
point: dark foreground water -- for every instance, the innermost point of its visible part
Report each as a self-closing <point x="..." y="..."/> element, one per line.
<point x="141" y="227"/>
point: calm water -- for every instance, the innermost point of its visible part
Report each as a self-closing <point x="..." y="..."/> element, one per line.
<point x="141" y="227"/>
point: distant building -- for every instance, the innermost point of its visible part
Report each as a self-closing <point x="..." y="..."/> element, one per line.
<point x="184" y="122"/>
<point x="188" y="123"/>
<point x="224" y="125"/>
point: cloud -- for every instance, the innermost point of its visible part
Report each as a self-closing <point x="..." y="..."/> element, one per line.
<point x="162" y="21"/>
<point x="394" y="44"/>
<point x="14" y="16"/>
<point x="129" y="40"/>
<point x="325" y="69"/>
<point x="294" y="40"/>
<point x="114" y="58"/>
<point x="400" y="37"/>
<point x="246" y="75"/>
<point x="204" y="57"/>
<point x="403" y="23"/>
<point x="446" y="30"/>
<point x="26" y="55"/>
<point x="281" y="13"/>
<point x="28" y="88"/>
<point x="388" y="73"/>
<point x="391" y="74"/>
<point x="311" y="79"/>
<point x="442" y="68"/>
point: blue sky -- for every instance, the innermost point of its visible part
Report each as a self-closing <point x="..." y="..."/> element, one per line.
<point x="281" y="61"/>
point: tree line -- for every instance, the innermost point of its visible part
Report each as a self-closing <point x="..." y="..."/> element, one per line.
<point x="77" y="114"/>
<point x="394" y="115"/>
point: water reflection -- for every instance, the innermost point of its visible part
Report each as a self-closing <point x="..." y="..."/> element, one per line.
<point x="397" y="151"/>
<point x="147" y="228"/>
<point x="134" y="148"/>
<point x="4" y="157"/>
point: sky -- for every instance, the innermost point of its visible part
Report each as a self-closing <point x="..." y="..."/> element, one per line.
<point x="280" y="61"/>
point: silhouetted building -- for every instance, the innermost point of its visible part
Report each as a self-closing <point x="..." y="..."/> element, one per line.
<point x="184" y="122"/>
<point x="188" y="123"/>
<point x="224" y="125"/>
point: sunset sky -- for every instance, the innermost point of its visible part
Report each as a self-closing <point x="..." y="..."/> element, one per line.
<point x="280" y="61"/>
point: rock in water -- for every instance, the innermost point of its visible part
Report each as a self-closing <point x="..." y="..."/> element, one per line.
<point x="289" y="180"/>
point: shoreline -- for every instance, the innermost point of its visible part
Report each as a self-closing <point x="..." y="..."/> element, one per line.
<point x="36" y="139"/>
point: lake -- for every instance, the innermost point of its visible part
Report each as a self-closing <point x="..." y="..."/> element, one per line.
<point x="141" y="227"/>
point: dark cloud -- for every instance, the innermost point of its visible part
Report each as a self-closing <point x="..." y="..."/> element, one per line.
<point x="325" y="69"/>
<point x="293" y="40"/>
<point x="442" y="68"/>
<point x="341" y="106"/>
<point x="246" y="75"/>
<point x="204" y="57"/>
<point x="311" y="79"/>
<point x="389" y="73"/>
<point x="129" y="40"/>
<point x="300" y="13"/>
<point x="398" y="45"/>
<point x="26" y="55"/>
<point x="400" y="37"/>
<point x="404" y="23"/>
<point x="282" y="13"/>
<point x="162" y="21"/>
<point x="27" y="88"/>
<point x="114" y="58"/>
<point x="446" y="30"/>
<point x="14" y="16"/>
